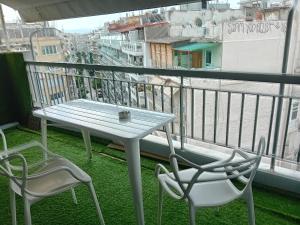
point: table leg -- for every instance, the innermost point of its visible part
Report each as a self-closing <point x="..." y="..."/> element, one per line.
<point x="44" y="136"/>
<point x="87" y="142"/>
<point x="132" y="148"/>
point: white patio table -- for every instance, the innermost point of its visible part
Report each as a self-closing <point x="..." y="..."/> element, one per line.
<point x="102" y="120"/>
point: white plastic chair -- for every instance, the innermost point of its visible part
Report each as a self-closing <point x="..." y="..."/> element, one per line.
<point x="210" y="185"/>
<point x="50" y="177"/>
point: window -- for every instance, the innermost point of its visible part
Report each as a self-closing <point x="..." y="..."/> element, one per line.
<point x="56" y="96"/>
<point x="49" y="50"/>
<point x="295" y="108"/>
<point x="198" y="22"/>
<point x="208" y="58"/>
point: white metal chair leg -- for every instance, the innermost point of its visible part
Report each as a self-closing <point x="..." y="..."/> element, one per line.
<point x="192" y="212"/>
<point x="13" y="206"/>
<point x="250" y="205"/>
<point x="27" y="213"/>
<point x="95" y="199"/>
<point x="160" y="204"/>
<point x="74" y="196"/>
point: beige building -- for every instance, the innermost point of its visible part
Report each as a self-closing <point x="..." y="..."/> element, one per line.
<point x="48" y="49"/>
<point x="53" y="81"/>
<point x="161" y="51"/>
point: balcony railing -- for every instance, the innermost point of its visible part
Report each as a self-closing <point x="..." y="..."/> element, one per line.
<point x="134" y="48"/>
<point x="227" y="109"/>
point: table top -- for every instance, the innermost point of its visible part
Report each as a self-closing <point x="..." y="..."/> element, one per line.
<point x="103" y="118"/>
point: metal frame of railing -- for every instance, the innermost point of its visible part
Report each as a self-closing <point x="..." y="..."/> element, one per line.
<point x="110" y="86"/>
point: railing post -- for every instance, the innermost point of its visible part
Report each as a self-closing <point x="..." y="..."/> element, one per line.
<point x="181" y="110"/>
<point x="281" y="88"/>
<point x="277" y="126"/>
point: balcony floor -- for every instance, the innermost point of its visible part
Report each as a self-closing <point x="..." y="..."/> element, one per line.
<point x="109" y="172"/>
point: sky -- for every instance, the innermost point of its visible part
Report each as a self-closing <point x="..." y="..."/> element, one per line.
<point x="84" y="24"/>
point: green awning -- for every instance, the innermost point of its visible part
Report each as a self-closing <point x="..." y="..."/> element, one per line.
<point x="193" y="47"/>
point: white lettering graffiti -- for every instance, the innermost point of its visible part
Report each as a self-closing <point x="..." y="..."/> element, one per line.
<point x="257" y="27"/>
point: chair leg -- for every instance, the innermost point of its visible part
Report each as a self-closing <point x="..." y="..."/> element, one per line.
<point x="250" y="205"/>
<point x="94" y="197"/>
<point x="192" y="212"/>
<point x="13" y="206"/>
<point x="160" y="204"/>
<point x="74" y="196"/>
<point x="27" y="213"/>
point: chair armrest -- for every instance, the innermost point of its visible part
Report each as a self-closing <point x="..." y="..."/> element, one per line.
<point x="21" y="148"/>
<point x="10" y="175"/>
<point x="164" y="184"/>
<point x="55" y="170"/>
<point x="160" y="167"/>
<point x="31" y="144"/>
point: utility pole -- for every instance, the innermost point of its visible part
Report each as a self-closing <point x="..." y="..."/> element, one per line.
<point x="3" y="26"/>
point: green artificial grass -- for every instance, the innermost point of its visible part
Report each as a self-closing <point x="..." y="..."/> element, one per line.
<point x="109" y="172"/>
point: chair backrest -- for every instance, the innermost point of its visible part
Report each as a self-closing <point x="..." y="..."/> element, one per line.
<point x="223" y="170"/>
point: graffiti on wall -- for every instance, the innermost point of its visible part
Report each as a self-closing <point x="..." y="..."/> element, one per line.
<point x="256" y="27"/>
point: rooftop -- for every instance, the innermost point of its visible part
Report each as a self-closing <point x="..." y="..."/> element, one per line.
<point x="108" y="169"/>
<point x="168" y="40"/>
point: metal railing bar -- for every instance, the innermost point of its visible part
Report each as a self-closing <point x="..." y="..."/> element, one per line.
<point x="96" y="86"/>
<point x="137" y="95"/>
<point x="286" y="127"/>
<point x="192" y="112"/>
<point x="45" y="92"/>
<point x="270" y="124"/>
<point x="181" y="112"/>
<point x="241" y="120"/>
<point x="255" y="122"/>
<point x="74" y="82"/>
<point x="153" y="96"/>
<point x="129" y="93"/>
<point x="52" y="92"/>
<point x="242" y="76"/>
<point x="61" y="88"/>
<point x="172" y="105"/>
<point x="64" y="89"/>
<point x="203" y="114"/>
<point x="102" y="89"/>
<point x="228" y="116"/>
<point x="145" y="96"/>
<point x="91" y="93"/>
<point x="67" y="82"/>
<point x="78" y="82"/>
<point x="216" y="116"/>
<point x="122" y="94"/>
<point x="162" y="98"/>
<point x="32" y="82"/>
<point x="55" y="86"/>
<point x="107" y="91"/>
<point x="114" y="83"/>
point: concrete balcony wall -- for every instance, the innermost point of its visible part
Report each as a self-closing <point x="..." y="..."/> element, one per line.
<point x="15" y="96"/>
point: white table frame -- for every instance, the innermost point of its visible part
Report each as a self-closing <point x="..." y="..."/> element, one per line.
<point x="132" y="149"/>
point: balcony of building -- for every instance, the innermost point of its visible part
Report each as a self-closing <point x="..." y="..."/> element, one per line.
<point x="133" y="48"/>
